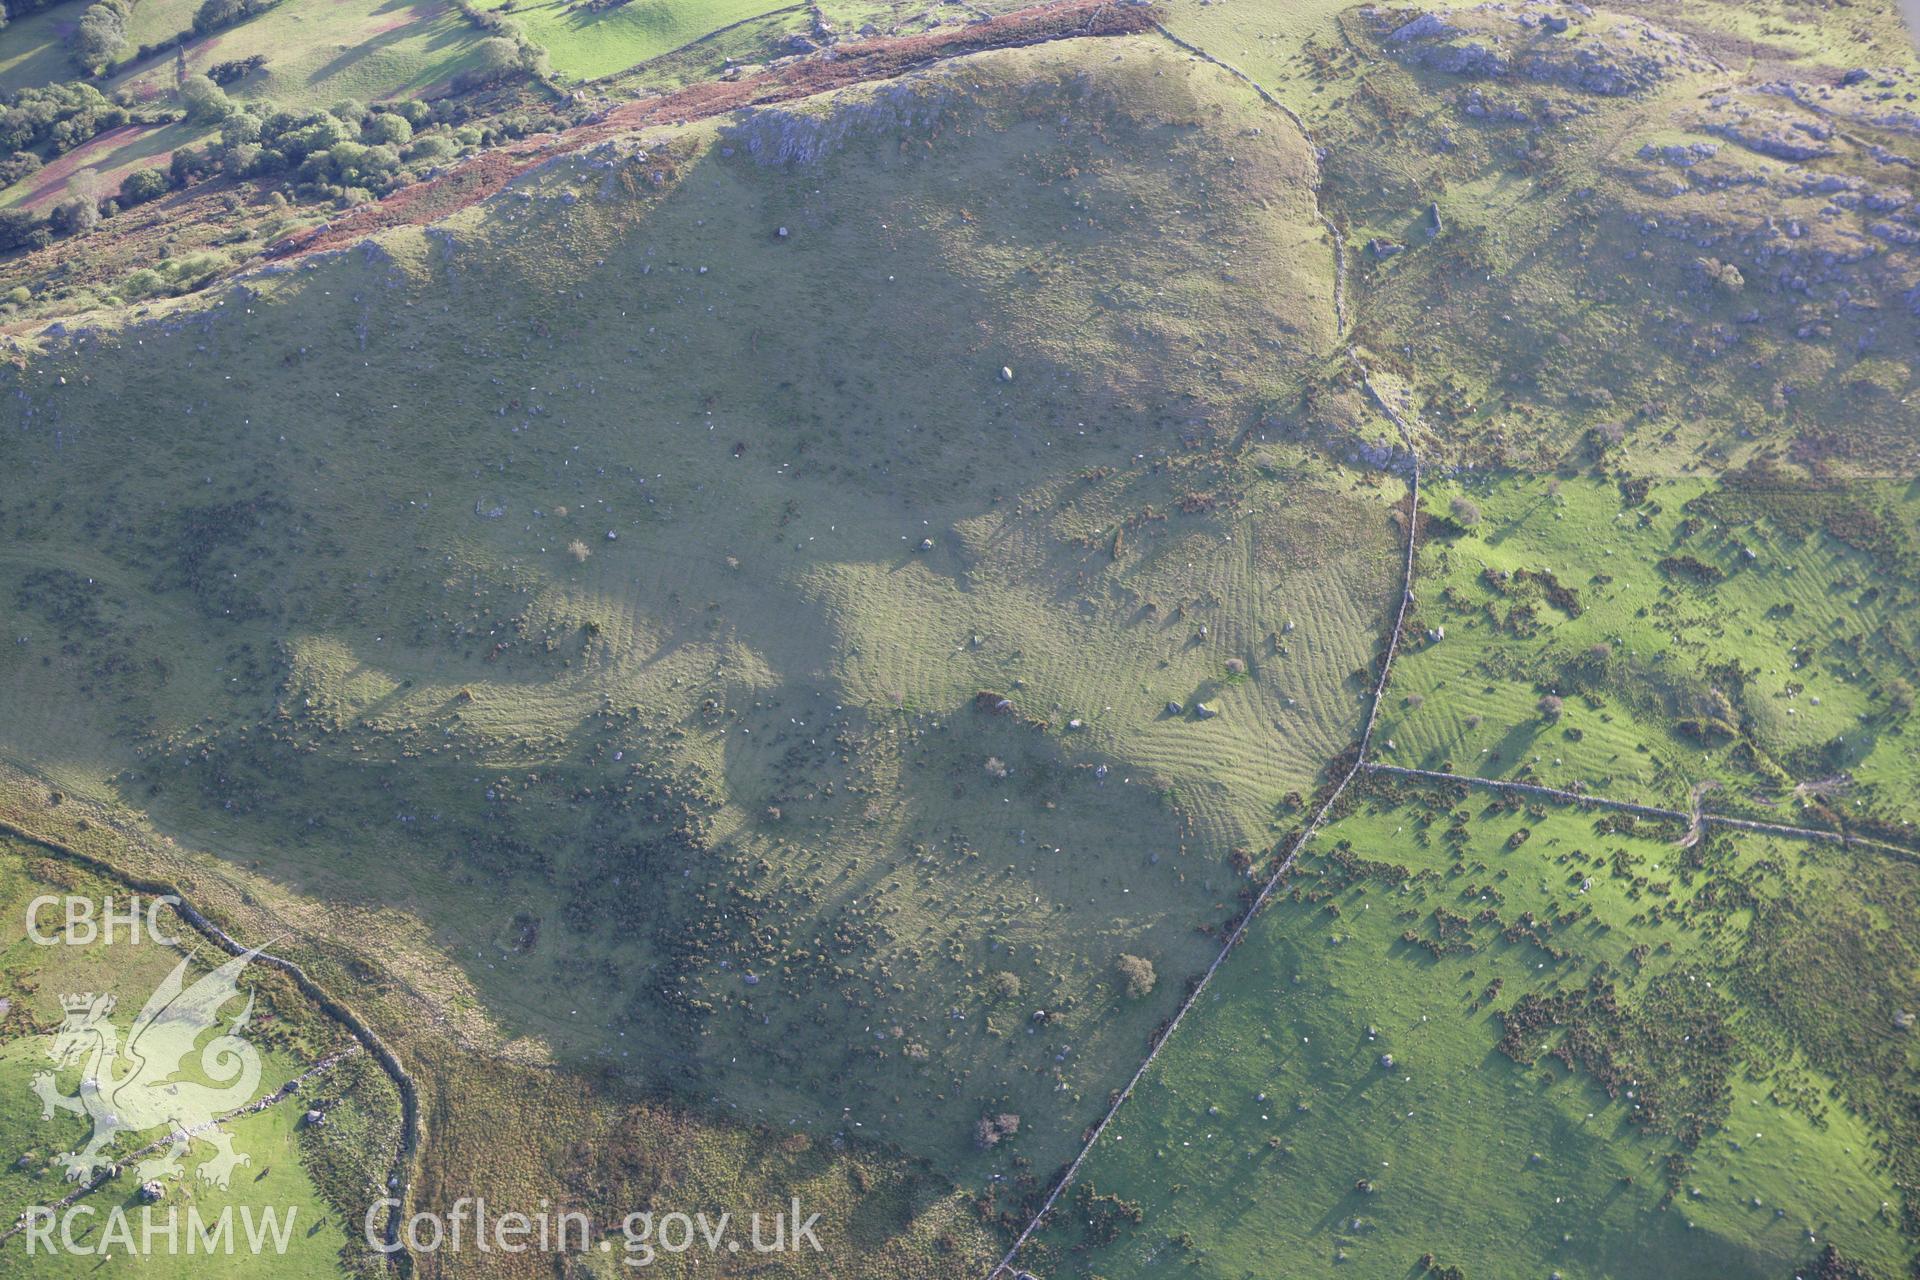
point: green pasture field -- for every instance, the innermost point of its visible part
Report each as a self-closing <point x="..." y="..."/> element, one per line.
<point x="318" y="54"/>
<point x="587" y="44"/>
<point x="1704" y="636"/>
<point x="727" y="50"/>
<point x="1341" y="1098"/>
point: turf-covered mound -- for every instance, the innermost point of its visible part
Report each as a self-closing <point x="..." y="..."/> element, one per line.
<point x="775" y="608"/>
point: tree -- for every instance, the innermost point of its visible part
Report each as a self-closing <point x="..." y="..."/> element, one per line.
<point x="1551" y="706"/>
<point x="1002" y="985"/>
<point x="1466" y="512"/>
<point x="428" y="149"/>
<point x="22" y="228"/>
<point x="214" y="14"/>
<point x="17" y="166"/>
<point x="389" y="128"/>
<point x="74" y="216"/>
<point x="205" y="101"/>
<point x="190" y="164"/>
<point x="241" y="126"/>
<point x="141" y="186"/>
<point x="1136" y="975"/>
<point x="56" y="118"/>
<point x="100" y="34"/>
<point x="502" y="59"/>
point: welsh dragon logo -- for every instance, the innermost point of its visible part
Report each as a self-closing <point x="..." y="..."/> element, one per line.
<point x="132" y="1088"/>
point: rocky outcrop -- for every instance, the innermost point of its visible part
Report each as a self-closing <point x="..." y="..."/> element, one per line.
<point x="1771" y="133"/>
<point x="778" y="136"/>
<point x="1570" y="46"/>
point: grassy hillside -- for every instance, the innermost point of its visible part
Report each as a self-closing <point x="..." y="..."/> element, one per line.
<point x="764" y="649"/>
<point x="1639" y="249"/>
<point x="776" y="720"/>
<point x="33" y="49"/>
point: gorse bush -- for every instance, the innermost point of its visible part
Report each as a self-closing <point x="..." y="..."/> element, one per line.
<point x="1137" y="977"/>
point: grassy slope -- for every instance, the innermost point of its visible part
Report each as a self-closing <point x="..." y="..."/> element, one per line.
<point x="1489" y="1165"/>
<point x="762" y="631"/>
<point x="157" y="20"/>
<point x="319" y="53"/>
<point x="1555" y="225"/>
<point x="33" y="49"/>
<point x="713" y="56"/>
<point x="586" y="45"/>
<point x="112" y="156"/>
